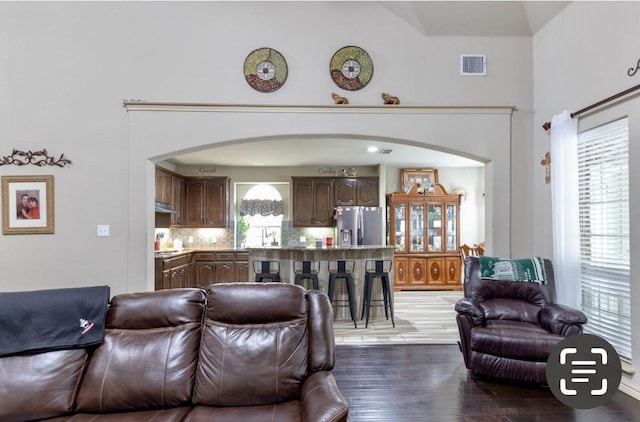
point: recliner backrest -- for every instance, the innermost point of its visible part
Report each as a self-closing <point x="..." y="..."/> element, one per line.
<point x="260" y="342"/>
<point x="474" y="283"/>
<point x="149" y="354"/>
<point x="508" y="300"/>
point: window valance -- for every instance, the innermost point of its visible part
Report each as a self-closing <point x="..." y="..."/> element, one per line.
<point x="262" y="207"/>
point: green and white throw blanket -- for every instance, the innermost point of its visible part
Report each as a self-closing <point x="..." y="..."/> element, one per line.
<point x="524" y="269"/>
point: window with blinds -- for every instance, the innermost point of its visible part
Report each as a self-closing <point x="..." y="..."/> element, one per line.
<point x="603" y="172"/>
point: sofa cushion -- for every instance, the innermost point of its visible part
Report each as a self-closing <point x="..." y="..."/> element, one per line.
<point x="149" y="355"/>
<point x="176" y="414"/>
<point x="283" y="412"/>
<point x="266" y="338"/>
<point x="41" y="385"/>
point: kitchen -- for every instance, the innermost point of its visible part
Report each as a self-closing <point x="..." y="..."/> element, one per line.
<point x="297" y="235"/>
<point x="160" y="121"/>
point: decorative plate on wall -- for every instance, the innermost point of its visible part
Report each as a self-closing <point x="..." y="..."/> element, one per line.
<point x="351" y="68"/>
<point x="265" y="69"/>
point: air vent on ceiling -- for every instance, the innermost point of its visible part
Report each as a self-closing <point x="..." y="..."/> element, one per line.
<point x="385" y="151"/>
<point x="473" y="64"/>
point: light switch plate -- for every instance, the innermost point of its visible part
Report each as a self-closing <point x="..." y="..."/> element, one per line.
<point x="103" y="230"/>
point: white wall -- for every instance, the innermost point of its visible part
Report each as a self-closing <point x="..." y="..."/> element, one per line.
<point x="67" y="67"/>
<point x="582" y="57"/>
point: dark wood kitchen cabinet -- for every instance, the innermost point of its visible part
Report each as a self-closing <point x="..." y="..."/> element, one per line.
<point x="177" y="200"/>
<point x="220" y="267"/>
<point x="170" y="190"/>
<point x="313" y="202"/>
<point x="361" y="191"/>
<point x="163" y="186"/>
<point x="173" y="272"/>
<point x="206" y="202"/>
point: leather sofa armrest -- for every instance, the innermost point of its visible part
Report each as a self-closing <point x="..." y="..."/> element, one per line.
<point x="469" y="308"/>
<point x="561" y="319"/>
<point x="321" y="399"/>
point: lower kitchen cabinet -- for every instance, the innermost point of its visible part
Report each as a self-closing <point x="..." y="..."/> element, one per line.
<point x="204" y="269"/>
<point x="220" y="267"/>
<point x="173" y="272"/>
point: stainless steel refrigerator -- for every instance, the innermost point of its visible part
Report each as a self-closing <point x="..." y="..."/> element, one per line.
<point x="359" y="226"/>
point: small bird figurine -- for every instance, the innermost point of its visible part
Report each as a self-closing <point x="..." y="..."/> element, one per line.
<point x="338" y="99"/>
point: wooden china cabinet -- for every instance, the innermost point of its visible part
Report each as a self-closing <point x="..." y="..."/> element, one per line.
<point x="424" y="227"/>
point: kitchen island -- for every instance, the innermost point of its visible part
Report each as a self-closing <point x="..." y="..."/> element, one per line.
<point x="286" y="255"/>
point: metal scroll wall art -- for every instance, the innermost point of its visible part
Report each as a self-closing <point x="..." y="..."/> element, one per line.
<point x="633" y="70"/>
<point x="37" y="158"/>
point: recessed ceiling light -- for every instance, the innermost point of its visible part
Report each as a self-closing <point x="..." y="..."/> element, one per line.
<point x="372" y="149"/>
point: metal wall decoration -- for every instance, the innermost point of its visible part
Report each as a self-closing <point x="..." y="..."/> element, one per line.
<point x="633" y="70"/>
<point x="265" y="69"/>
<point x="37" y="158"/>
<point x="351" y="68"/>
<point x="546" y="162"/>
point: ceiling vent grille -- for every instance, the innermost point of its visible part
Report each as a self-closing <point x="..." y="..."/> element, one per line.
<point x="386" y="151"/>
<point x="473" y="64"/>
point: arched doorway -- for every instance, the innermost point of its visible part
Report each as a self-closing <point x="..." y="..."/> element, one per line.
<point x="157" y="131"/>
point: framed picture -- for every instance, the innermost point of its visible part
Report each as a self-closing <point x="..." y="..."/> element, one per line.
<point x="27" y="204"/>
<point x="425" y="177"/>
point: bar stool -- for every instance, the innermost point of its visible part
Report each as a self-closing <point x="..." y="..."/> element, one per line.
<point x="267" y="270"/>
<point x="307" y="270"/>
<point x="377" y="269"/>
<point x="343" y="270"/>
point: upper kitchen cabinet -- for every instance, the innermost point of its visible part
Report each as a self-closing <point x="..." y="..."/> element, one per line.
<point x="361" y="191"/>
<point x="170" y="190"/>
<point x="177" y="200"/>
<point x="206" y="202"/>
<point x="163" y="186"/>
<point x="313" y="202"/>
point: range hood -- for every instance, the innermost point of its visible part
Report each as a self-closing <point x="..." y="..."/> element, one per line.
<point x="162" y="208"/>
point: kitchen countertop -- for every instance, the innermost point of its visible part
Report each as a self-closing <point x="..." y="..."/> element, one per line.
<point x="172" y="253"/>
<point x="324" y="248"/>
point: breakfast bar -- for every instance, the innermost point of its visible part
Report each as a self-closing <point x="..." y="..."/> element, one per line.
<point x="286" y="255"/>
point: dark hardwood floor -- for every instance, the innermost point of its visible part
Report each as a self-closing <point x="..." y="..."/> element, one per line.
<point x="430" y="383"/>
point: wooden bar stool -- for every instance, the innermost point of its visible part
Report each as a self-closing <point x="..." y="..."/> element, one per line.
<point x="377" y="269"/>
<point x="267" y="270"/>
<point x="343" y="270"/>
<point x="307" y="270"/>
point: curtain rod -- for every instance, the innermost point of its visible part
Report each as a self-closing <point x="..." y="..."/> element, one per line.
<point x="547" y="125"/>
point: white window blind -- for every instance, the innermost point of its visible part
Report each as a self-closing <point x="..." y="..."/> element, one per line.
<point x="603" y="172"/>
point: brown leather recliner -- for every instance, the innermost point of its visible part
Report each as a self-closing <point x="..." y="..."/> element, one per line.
<point x="508" y="328"/>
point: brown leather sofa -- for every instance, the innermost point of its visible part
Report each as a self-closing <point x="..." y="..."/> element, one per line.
<point x="236" y="352"/>
<point x="508" y="328"/>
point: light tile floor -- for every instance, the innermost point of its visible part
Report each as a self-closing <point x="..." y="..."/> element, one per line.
<point x="422" y="317"/>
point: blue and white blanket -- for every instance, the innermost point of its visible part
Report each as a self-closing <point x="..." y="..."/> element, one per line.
<point x="523" y="269"/>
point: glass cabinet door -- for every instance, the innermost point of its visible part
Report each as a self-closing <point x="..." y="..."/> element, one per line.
<point x="451" y="229"/>
<point x="416" y="215"/>
<point x="400" y="228"/>
<point x="435" y="227"/>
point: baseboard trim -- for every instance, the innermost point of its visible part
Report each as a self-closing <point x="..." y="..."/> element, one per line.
<point x="632" y="391"/>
